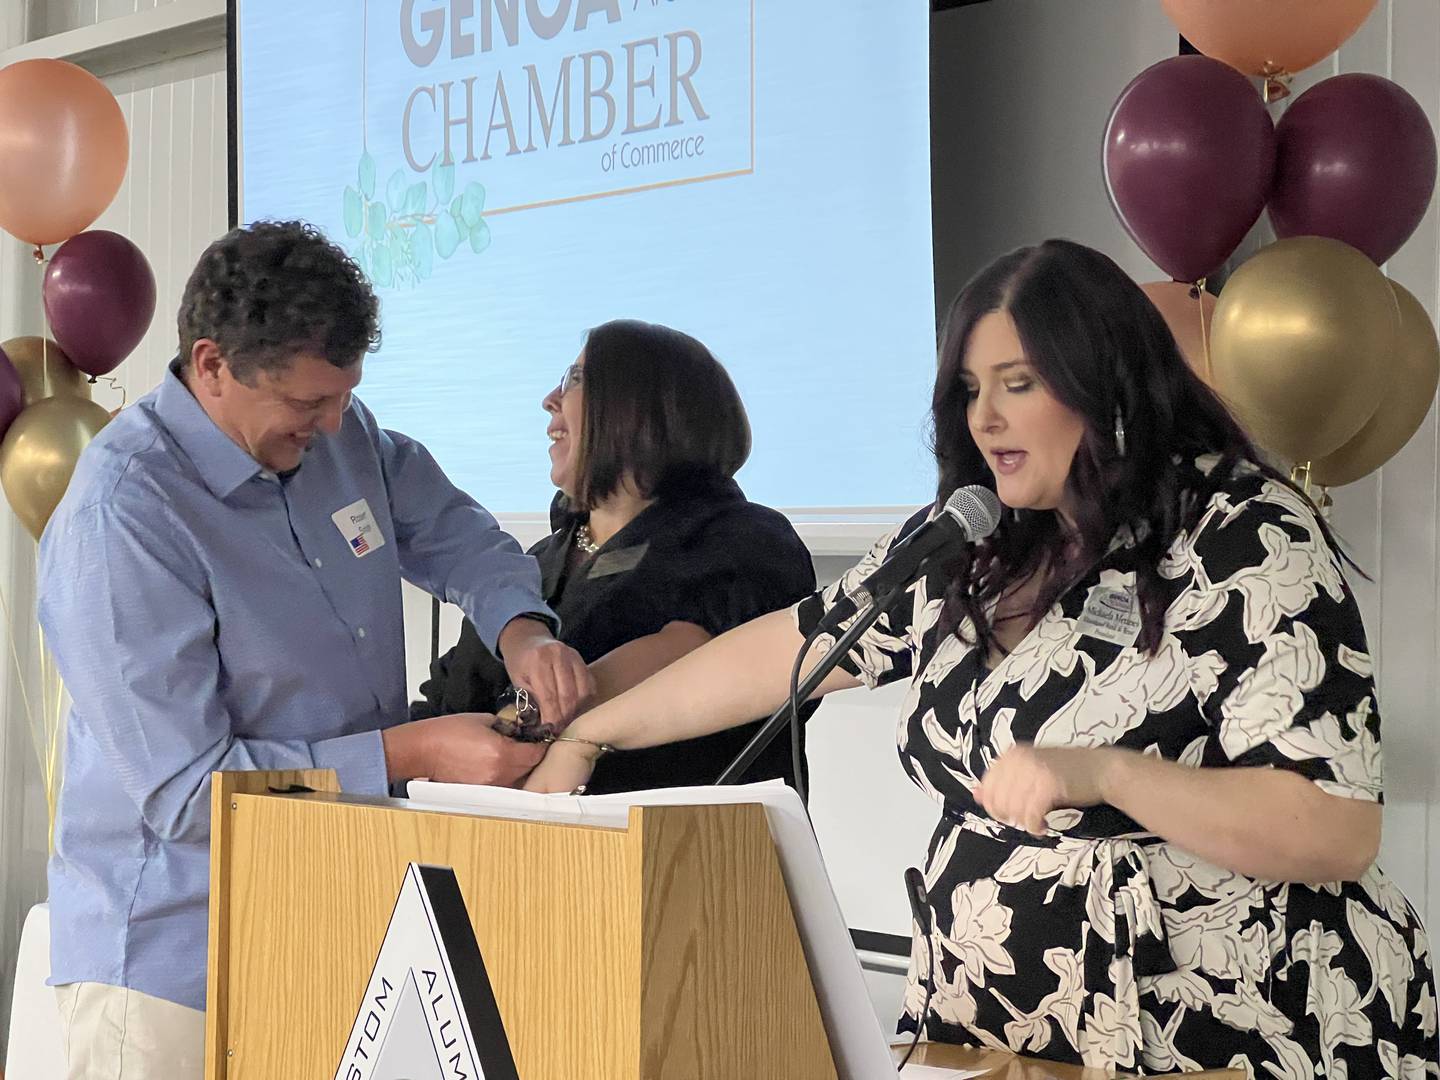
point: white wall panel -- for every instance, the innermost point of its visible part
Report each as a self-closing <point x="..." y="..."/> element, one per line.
<point x="173" y="202"/>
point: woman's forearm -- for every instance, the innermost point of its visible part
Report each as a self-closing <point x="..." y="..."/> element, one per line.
<point x="729" y="680"/>
<point x="629" y="665"/>
<point x="1265" y="823"/>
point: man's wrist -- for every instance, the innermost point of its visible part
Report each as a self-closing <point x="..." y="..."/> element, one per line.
<point x="520" y="630"/>
<point x="406" y="751"/>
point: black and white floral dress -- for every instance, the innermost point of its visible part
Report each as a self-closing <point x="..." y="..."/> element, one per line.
<point x="1101" y="943"/>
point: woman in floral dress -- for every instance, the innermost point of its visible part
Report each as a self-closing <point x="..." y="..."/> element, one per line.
<point x="1145" y="706"/>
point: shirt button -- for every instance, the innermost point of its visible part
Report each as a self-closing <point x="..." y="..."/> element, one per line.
<point x="319" y="563"/>
<point x="361" y="632"/>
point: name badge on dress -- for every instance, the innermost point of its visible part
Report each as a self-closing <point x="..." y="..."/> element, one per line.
<point x="617" y="562"/>
<point x="1111" y="614"/>
<point x="357" y="526"/>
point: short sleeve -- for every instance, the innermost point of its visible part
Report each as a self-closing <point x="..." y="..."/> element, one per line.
<point x="753" y="563"/>
<point x="886" y="652"/>
<point x="1270" y="628"/>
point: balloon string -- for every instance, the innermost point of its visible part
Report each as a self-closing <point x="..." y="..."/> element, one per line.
<point x="115" y="385"/>
<point x="1199" y="291"/>
<point x="46" y="384"/>
<point x="50" y="681"/>
<point x="19" y="670"/>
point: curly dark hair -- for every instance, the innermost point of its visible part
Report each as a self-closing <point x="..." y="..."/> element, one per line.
<point x="269" y="290"/>
<point x="1102" y="349"/>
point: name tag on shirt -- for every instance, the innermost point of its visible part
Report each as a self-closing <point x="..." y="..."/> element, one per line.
<point x="1111" y="614"/>
<point x="617" y="562"/>
<point x="357" y="526"/>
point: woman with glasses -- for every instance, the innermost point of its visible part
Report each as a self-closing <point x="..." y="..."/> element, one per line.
<point x="655" y="549"/>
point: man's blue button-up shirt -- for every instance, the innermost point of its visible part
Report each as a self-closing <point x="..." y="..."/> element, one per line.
<point x="206" y="615"/>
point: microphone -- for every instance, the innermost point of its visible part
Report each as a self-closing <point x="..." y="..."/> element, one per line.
<point x="971" y="513"/>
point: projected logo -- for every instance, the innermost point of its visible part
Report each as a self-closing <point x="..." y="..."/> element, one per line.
<point x="428" y="1012"/>
<point x="532" y="108"/>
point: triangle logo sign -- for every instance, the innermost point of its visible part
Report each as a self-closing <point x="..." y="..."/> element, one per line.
<point x="428" y="1012"/>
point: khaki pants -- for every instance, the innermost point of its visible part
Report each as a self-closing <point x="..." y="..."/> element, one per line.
<point x="111" y="1033"/>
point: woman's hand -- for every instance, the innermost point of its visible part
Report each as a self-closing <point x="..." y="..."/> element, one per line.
<point x="567" y="767"/>
<point x="1027" y="782"/>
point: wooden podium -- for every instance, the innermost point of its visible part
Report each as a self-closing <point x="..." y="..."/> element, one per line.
<point x="667" y="949"/>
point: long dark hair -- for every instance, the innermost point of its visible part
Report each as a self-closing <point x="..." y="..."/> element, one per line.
<point x="659" y="407"/>
<point x="1101" y="348"/>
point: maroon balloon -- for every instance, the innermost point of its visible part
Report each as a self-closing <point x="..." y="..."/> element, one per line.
<point x="12" y="393"/>
<point x="1356" y="163"/>
<point x="100" y="297"/>
<point x="1189" y="157"/>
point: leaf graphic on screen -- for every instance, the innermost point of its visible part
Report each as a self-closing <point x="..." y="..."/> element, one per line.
<point x="479" y="237"/>
<point x="398" y="238"/>
<point x="395" y="188"/>
<point x="375" y="221"/>
<point x="447" y="235"/>
<point x="472" y="203"/>
<point x="444" y="182"/>
<point x="384" y="272"/>
<point x="423" y="245"/>
<point x="354" y="212"/>
<point x="367" y="175"/>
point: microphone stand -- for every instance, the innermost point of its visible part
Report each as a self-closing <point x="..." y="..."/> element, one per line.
<point x="783" y="717"/>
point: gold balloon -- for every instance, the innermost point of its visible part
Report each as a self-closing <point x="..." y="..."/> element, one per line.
<point x="1299" y="344"/>
<point x="39" y="454"/>
<point x="45" y="370"/>
<point x="1412" y="374"/>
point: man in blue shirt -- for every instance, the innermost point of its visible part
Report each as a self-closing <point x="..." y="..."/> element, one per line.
<point x="221" y="588"/>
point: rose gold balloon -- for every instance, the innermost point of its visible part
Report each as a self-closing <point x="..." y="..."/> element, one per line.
<point x="63" y="150"/>
<point x="1268" y="37"/>
<point x="1187" y="310"/>
<point x="45" y="371"/>
<point x="39" y="452"/>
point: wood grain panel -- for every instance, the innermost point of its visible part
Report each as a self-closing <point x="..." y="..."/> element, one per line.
<point x="675" y="932"/>
<point x="721" y="953"/>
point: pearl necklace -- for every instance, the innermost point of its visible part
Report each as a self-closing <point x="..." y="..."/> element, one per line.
<point x="582" y="540"/>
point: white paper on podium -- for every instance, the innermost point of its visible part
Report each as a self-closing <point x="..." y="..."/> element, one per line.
<point x="860" y="1049"/>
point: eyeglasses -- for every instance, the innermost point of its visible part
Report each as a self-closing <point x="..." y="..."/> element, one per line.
<point x="574" y="376"/>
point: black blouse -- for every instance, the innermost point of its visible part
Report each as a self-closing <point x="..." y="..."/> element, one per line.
<point x="708" y="557"/>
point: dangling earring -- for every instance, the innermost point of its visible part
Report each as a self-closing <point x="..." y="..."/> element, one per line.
<point x="1119" y="433"/>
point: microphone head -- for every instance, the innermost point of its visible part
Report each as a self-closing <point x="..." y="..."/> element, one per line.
<point x="976" y="508"/>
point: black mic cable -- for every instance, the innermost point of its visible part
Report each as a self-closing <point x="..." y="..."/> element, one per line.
<point x="924" y="918"/>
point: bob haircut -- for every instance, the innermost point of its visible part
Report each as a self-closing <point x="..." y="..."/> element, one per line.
<point x="659" y="408"/>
